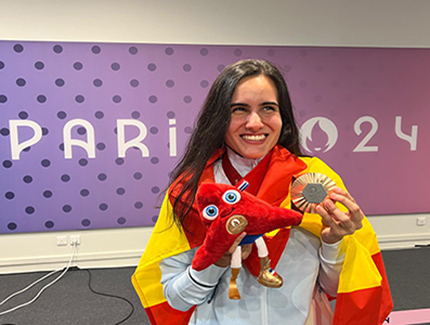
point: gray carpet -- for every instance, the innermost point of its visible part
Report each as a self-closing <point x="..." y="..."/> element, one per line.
<point x="70" y="301"/>
<point x="408" y="273"/>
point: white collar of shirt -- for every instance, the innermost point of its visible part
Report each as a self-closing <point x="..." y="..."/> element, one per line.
<point x="241" y="164"/>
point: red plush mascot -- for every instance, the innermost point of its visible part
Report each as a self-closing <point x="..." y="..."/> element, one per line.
<point x="227" y="212"/>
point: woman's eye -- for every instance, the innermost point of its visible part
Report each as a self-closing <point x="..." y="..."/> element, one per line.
<point x="210" y="212"/>
<point x="269" y="108"/>
<point x="231" y="197"/>
<point x="237" y="110"/>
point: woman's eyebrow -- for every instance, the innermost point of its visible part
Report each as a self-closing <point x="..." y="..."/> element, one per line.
<point x="269" y="103"/>
<point x="238" y="104"/>
<point x="247" y="105"/>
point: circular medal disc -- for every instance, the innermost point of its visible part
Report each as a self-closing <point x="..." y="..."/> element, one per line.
<point x="309" y="190"/>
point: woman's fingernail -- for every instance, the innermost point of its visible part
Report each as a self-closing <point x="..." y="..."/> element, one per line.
<point x="328" y="203"/>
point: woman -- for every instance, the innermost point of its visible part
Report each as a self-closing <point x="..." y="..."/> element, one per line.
<point x="247" y="129"/>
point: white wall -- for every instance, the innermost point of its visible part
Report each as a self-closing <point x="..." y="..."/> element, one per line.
<point x="394" y="23"/>
<point x="373" y="23"/>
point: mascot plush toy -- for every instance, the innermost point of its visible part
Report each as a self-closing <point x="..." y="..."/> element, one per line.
<point x="227" y="212"/>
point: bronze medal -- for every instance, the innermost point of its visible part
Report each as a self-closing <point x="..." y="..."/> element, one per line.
<point x="309" y="190"/>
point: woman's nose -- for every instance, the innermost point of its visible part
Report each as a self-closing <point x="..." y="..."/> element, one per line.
<point x="254" y="122"/>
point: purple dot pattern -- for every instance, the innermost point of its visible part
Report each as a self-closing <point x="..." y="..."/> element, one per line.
<point x="115" y="66"/>
<point x="101" y="146"/>
<point x="20" y="82"/>
<point x="134" y="83"/>
<point x="53" y="83"/>
<point x="99" y="115"/>
<point x="9" y="195"/>
<point x="29" y="210"/>
<point x="133" y="50"/>
<point x="170" y="83"/>
<point x="98" y="82"/>
<point x="78" y="66"/>
<point x="83" y="162"/>
<point x="61" y="115"/>
<point x="39" y="65"/>
<point x="59" y="82"/>
<point x="57" y="49"/>
<point x="49" y="224"/>
<point x="117" y="99"/>
<point x="96" y="49"/>
<point x="7" y="163"/>
<point x="67" y="208"/>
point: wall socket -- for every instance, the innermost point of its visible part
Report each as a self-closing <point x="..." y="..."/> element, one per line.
<point x="61" y="240"/>
<point x="75" y="239"/>
<point x="421" y="221"/>
<point x="64" y="240"/>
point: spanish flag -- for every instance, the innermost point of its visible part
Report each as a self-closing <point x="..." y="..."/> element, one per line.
<point x="363" y="295"/>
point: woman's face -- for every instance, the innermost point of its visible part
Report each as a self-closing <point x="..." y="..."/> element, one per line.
<point x="256" y="121"/>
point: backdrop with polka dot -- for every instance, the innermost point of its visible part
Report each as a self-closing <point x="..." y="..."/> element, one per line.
<point x="89" y="133"/>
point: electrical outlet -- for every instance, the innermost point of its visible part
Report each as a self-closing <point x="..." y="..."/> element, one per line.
<point x="75" y="239"/>
<point x="61" y="240"/>
<point x="421" y="221"/>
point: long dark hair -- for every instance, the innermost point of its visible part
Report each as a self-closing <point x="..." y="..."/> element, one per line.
<point x="212" y="124"/>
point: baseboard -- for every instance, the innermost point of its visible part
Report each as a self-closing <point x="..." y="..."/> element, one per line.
<point x="123" y="247"/>
<point x="98" y="248"/>
<point x="401" y="231"/>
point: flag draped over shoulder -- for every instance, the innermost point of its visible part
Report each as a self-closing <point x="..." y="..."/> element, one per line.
<point x="363" y="295"/>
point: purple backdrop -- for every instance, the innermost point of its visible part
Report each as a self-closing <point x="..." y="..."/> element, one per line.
<point x="69" y="110"/>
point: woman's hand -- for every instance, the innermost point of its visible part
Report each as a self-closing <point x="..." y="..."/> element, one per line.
<point x="225" y="260"/>
<point x="338" y="224"/>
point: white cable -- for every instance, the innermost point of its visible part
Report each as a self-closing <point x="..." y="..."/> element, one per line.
<point x="31" y="285"/>
<point x="41" y="290"/>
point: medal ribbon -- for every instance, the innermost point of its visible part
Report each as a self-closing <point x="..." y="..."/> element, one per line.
<point x="255" y="177"/>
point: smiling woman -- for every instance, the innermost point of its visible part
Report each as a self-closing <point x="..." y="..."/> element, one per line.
<point x="246" y="132"/>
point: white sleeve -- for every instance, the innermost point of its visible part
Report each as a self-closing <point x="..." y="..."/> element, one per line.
<point x="331" y="259"/>
<point x="185" y="287"/>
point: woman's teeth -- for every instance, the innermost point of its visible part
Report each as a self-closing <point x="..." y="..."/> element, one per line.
<point x="254" y="137"/>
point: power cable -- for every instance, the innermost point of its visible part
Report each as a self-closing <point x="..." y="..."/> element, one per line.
<point x="111" y="296"/>
<point x="37" y="281"/>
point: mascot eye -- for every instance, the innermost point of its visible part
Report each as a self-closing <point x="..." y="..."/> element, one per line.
<point x="210" y="212"/>
<point x="231" y="197"/>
